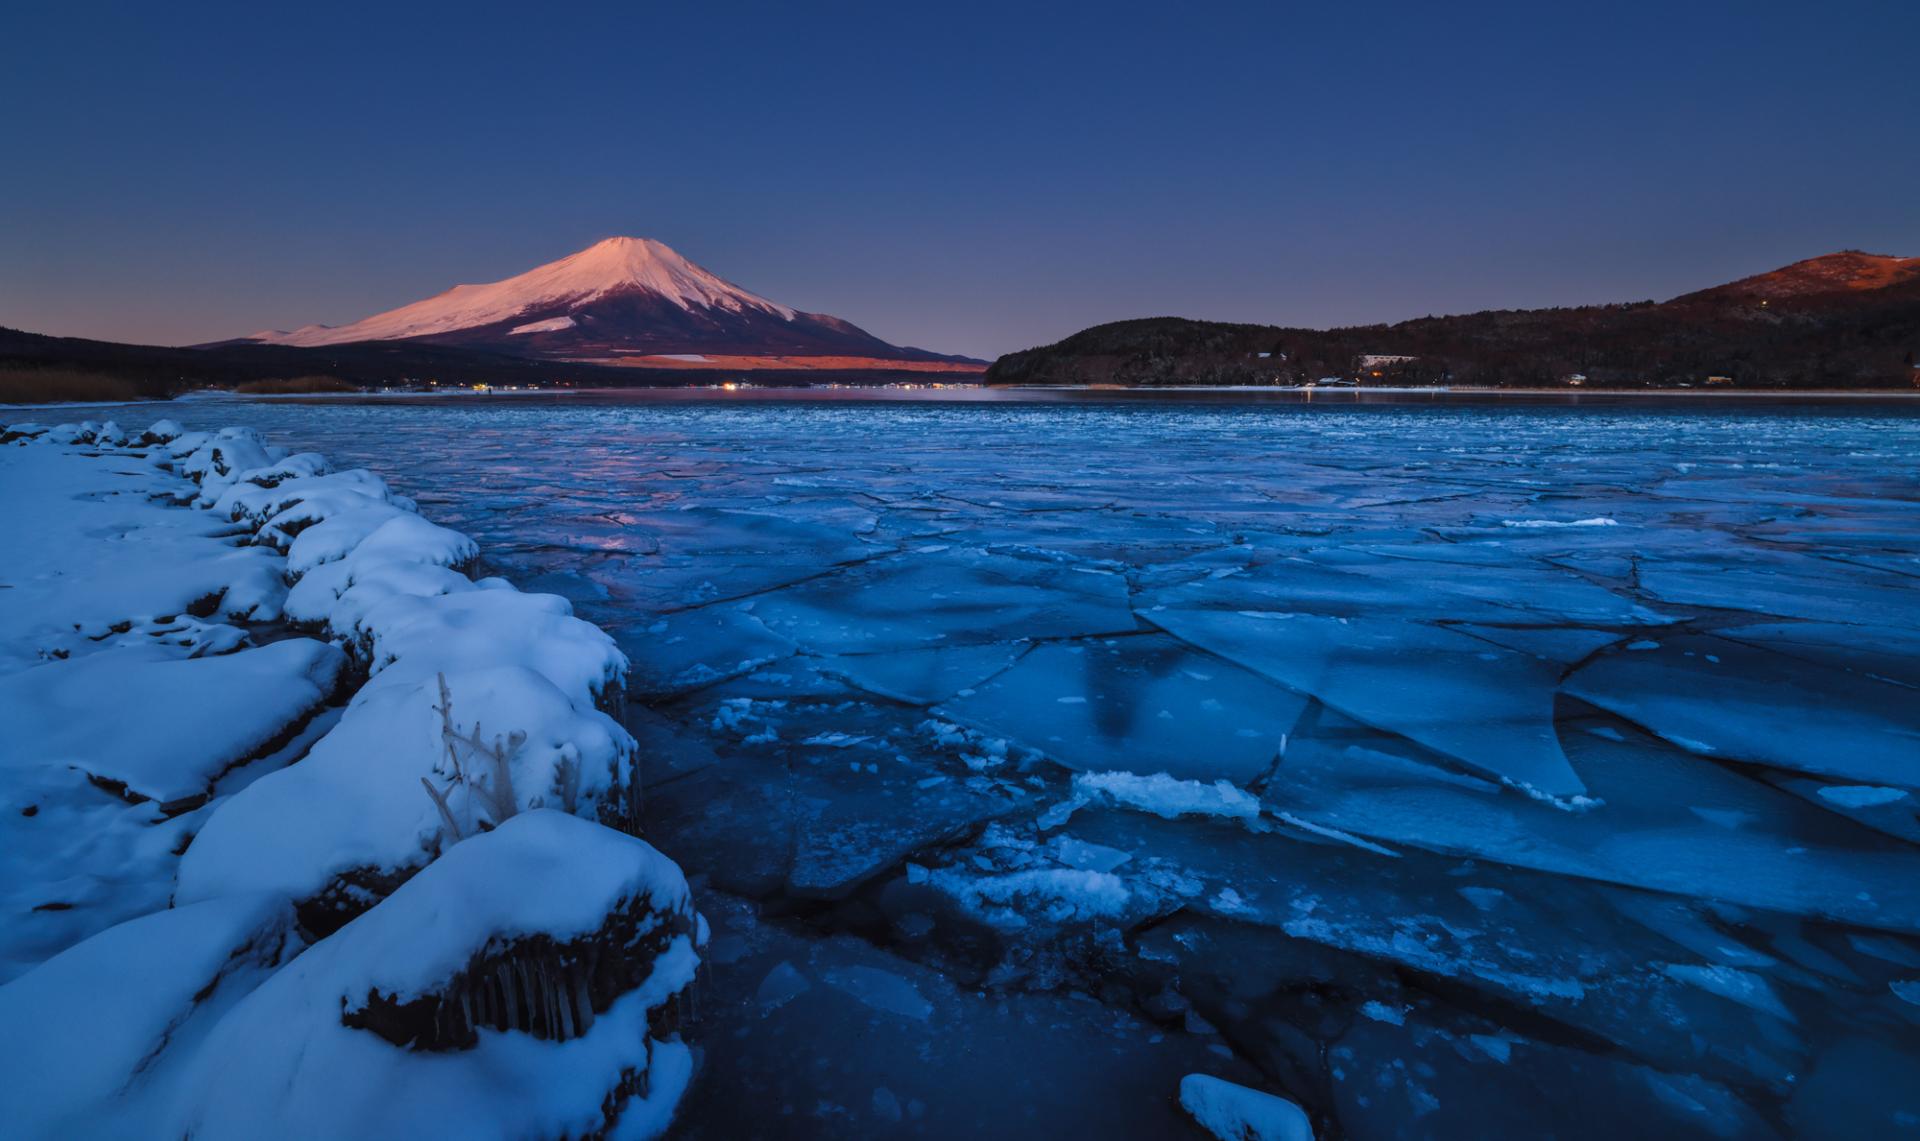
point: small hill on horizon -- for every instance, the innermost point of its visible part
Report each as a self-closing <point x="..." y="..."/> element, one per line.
<point x="1843" y="320"/>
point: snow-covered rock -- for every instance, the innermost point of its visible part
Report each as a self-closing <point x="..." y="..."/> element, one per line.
<point x="92" y="544"/>
<point x="95" y="1035"/>
<point x="354" y="816"/>
<point x="222" y="460"/>
<point x="411" y="639"/>
<point x="524" y="985"/>
<point x="177" y="723"/>
<point x="280" y="508"/>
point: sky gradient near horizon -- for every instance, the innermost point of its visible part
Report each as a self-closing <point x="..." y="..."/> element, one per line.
<point x="966" y="178"/>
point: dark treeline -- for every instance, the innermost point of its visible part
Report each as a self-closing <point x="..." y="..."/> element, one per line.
<point x="1849" y="338"/>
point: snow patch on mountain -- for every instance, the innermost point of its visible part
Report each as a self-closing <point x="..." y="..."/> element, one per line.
<point x="551" y="325"/>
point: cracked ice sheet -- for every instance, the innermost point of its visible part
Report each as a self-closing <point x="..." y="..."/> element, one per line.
<point x="1787" y="586"/>
<point x="694" y="648"/>
<point x="1299" y="584"/>
<point x="813" y="798"/>
<point x="1144" y="704"/>
<point x="1728" y="700"/>
<point x="922" y="677"/>
<point x="1488" y="708"/>
<point x="952" y="596"/>
<point x="1506" y="579"/>
<point x="699" y="554"/>
<point x="1661" y="820"/>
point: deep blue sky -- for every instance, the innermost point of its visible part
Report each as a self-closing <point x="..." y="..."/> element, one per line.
<point x="971" y="178"/>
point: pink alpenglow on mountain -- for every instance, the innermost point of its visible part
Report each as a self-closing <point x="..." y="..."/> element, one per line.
<point x="629" y="301"/>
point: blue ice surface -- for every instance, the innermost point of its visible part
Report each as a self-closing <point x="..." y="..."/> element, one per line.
<point x="1585" y="740"/>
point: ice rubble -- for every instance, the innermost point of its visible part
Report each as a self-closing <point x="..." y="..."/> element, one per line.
<point x="342" y="866"/>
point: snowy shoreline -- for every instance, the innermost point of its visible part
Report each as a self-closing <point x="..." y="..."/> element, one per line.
<point x="239" y="900"/>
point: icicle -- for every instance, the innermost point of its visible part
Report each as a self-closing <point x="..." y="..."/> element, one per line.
<point x="583" y="1001"/>
<point x="475" y="996"/>
<point x="505" y="974"/>
<point x="549" y="1017"/>
<point x="563" y="1006"/>
<point x="530" y="994"/>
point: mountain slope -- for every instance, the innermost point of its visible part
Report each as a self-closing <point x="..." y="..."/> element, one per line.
<point x="1833" y="276"/>
<point x="1846" y="320"/>
<point x="627" y="301"/>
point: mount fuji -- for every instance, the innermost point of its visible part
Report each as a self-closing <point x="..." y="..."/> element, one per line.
<point x="628" y="301"/>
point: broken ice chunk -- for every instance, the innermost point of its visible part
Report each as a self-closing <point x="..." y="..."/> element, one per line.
<point x="1712" y="696"/>
<point x="955" y="597"/>
<point x="1235" y="1113"/>
<point x="1489" y="709"/>
<point x="1145" y="704"/>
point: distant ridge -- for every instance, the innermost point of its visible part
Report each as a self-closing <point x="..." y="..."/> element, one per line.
<point x="631" y="302"/>
<point x="1849" y="271"/>
<point x="1844" y="320"/>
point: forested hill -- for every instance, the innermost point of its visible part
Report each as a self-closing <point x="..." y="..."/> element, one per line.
<point x="1847" y="320"/>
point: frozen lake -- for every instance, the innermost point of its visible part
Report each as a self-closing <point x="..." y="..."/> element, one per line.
<point x="1458" y="771"/>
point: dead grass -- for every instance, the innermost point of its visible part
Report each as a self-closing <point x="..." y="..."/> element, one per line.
<point x="289" y="385"/>
<point x="60" y="385"/>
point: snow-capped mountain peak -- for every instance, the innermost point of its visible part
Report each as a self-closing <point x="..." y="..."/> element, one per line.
<point x="614" y="266"/>
<point x="619" y="263"/>
<point x="632" y="302"/>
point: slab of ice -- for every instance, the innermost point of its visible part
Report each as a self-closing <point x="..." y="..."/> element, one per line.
<point x="1299" y="585"/>
<point x="1733" y="701"/>
<point x="1886" y="653"/>
<point x="1652" y="827"/>
<point x="1786" y="587"/>
<point x="1515" y="581"/>
<point x="953" y="597"/>
<point x="1489" y="709"/>
<point x="881" y="989"/>
<point x="924" y="677"/>
<point x="696" y="648"/>
<point x="1144" y="704"/>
